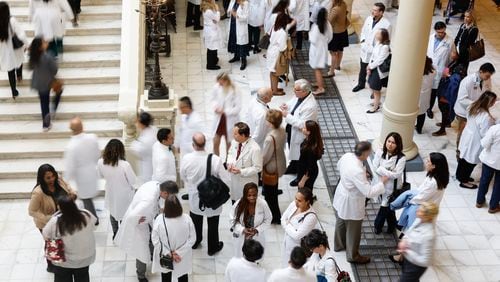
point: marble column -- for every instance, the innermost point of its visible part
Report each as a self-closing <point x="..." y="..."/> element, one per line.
<point x="350" y="28"/>
<point x="409" y="47"/>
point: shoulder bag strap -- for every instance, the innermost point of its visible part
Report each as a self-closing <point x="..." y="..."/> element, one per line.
<point x="275" y="154"/>
<point x="396" y="180"/>
<point x="209" y="166"/>
<point x="168" y="240"/>
<point x="308" y="213"/>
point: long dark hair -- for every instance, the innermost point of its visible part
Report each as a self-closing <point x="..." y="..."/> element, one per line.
<point x="113" y="152"/>
<point x="243" y="204"/>
<point x="313" y="142"/>
<point x="71" y="218"/>
<point x="35" y="51"/>
<point x="281" y="21"/>
<point x="281" y="7"/>
<point x="440" y="171"/>
<point x="483" y="103"/>
<point x="321" y="20"/>
<point x="428" y="68"/>
<point x="40" y="181"/>
<point x="399" y="145"/>
<point x="4" y="21"/>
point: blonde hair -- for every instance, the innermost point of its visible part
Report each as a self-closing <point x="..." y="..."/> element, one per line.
<point x="472" y="14"/>
<point x="225" y="77"/>
<point x="430" y="210"/>
<point x="208" y="5"/>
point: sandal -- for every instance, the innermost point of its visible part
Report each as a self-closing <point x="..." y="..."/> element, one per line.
<point x="279" y="93"/>
<point x="373" y="110"/>
<point x="329" y="74"/>
<point x="319" y="92"/>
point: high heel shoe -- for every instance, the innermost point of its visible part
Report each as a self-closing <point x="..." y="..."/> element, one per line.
<point x="15" y="94"/>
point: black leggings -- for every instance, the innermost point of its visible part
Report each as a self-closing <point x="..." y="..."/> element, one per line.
<point x="167" y="277"/>
<point x="464" y="170"/>
<point x="13" y="75"/>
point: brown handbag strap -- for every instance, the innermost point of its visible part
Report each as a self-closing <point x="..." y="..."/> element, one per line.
<point x="275" y="154"/>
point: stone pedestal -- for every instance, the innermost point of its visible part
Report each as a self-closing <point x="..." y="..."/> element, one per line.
<point x="163" y="111"/>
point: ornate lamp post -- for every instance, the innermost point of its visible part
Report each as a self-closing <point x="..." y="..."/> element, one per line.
<point x="158" y="89"/>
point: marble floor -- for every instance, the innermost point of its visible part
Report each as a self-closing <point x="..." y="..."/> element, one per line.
<point x="468" y="243"/>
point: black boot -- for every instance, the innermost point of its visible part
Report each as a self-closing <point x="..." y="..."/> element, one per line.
<point x="243" y="63"/>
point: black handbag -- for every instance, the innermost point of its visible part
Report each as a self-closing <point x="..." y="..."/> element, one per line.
<point x="212" y="191"/>
<point x="405" y="187"/>
<point x="166" y="261"/>
<point x="16" y="42"/>
<point x="386" y="65"/>
<point x="264" y="42"/>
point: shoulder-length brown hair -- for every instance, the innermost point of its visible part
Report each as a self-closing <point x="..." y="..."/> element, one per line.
<point x="113" y="152"/>
<point x="172" y="207"/>
<point x="483" y="104"/>
<point x="313" y="142"/>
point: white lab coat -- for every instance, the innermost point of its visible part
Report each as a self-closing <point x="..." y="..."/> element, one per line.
<point x="425" y="92"/>
<point x="230" y="102"/>
<point x="133" y="237"/>
<point x="324" y="266"/>
<point x="262" y="221"/>
<point x="491" y="145"/>
<point x="379" y="53"/>
<point x="295" y="227"/>
<point x="189" y="125"/>
<point x="120" y="181"/>
<point x="49" y="18"/>
<point x="277" y="44"/>
<point x="181" y="237"/>
<point x="300" y="12"/>
<point x="143" y="149"/>
<point x="81" y="156"/>
<point x="318" y="51"/>
<point x="353" y="188"/>
<point x="470" y="142"/>
<point x="249" y="163"/>
<point x="241" y="270"/>
<point x="9" y="58"/>
<point x="307" y="110"/>
<point x="386" y="166"/>
<point x="440" y="56"/>
<point x="163" y="163"/>
<point x="291" y="274"/>
<point x="269" y="6"/>
<point x="256" y="12"/>
<point x="468" y="92"/>
<point x="212" y="35"/>
<point x="428" y="192"/>
<point x="367" y="37"/>
<point x="196" y="2"/>
<point x="256" y="120"/>
<point x="241" y="22"/>
<point x="193" y="172"/>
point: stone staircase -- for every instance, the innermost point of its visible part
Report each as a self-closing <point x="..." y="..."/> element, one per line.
<point x="90" y="69"/>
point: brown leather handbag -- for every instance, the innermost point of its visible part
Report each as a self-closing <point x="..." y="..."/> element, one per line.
<point x="57" y="86"/>
<point x="271" y="179"/>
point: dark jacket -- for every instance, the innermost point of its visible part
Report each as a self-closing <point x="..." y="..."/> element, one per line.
<point x="44" y="73"/>
<point x="464" y="39"/>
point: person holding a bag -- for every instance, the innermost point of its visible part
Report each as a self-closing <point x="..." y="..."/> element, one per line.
<point x="319" y="36"/>
<point x="172" y="237"/>
<point x="377" y="77"/>
<point x="389" y="161"/>
<point x="44" y="74"/>
<point x="466" y="37"/>
<point x="250" y="217"/>
<point x="274" y="162"/>
<point x="311" y="150"/>
<point x="75" y="228"/>
<point x="322" y="261"/>
<point x="12" y="45"/>
<point x="277" y="45"/>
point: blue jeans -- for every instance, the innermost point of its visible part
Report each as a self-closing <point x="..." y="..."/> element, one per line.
<point x="486" y="176"/>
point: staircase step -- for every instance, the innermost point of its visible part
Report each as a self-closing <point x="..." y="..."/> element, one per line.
<point x="60" y="129"/>
<point x="92" y="43"/>
<point x="90" y="59"/>
<point x="100" y="27"/>
<point x="89" y="13"/>
<point x="20" y="188"/>
<point x="26" y="168"/>
<point x="74" y="76"/>
<point x="72" y="93"/>
<point x="25" y="3"/>
<point x="84" y="109"/>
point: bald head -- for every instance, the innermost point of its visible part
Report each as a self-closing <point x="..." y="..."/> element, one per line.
<point x="265" y="94"/>
<point x="76" y="125"/>
<point x="199" y="141"/>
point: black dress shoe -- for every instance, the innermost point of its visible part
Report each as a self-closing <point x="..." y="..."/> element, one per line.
<point x="219" y="247"/>
<point x="294" y="183"/>
<point x="468" y="186"/>
<point x="15" y="94"/>
<point x="280" y="192"/>
<point x="189" y="24"/>
<point x="195" y="245"/>
<point x="243" y="65"/>
<point x="357" y="88"/>
<point x="198" y="28"/>
<point x="430" y="114"/>
<point x="235" y="59"/>
<point x="185" y="197"/>
<point x="213" y="68"/>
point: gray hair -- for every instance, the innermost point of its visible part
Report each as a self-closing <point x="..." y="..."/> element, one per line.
<point x="304" y="85"/>
<point x="263" y="92"/>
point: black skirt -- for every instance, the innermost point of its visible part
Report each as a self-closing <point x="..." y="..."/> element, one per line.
<point x="339" y="41"/>
<point x="375" y="82"/>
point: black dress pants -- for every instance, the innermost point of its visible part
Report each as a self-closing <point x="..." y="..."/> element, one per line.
<point x="411" y="272"/>
<point x="13" y="75"/>
<point x="299" y="36"/>
<point x="270" y="193"/>
<point x="433" y="98"/>
<point x="62" y="274"/>
<point x="225" y="4"/>
<point x="167" y="277"/>
<point x="193" y="15"/>
<point x="213" y="230"/>
<point x="362" y="74"/>
<point x="385" y="214"/>
<point x="464" y="170"/>
<point x="254" y="36"/>
<point x="45" y="107"/>
<point x="420" y="122"/>
<point x="444" y="108"/>
<point x="212" y="58"/>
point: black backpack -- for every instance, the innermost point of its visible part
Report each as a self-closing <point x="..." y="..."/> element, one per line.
<point x="212" y="191"/>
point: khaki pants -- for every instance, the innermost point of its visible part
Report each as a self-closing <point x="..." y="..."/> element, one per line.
<point x="347" y="236"/>
<point x="461" y="122"/>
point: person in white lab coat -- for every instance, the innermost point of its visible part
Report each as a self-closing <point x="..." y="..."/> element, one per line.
<point x="49" y="19"/>
<point x="479" y="120"/>
<point x="256" y="13"/>
<point x="295" y="271"/>
<point x="491" y="166"/>
<point x="322" y="261"/>
<point x="143" y="146"/>
<point x="11" y="60"/>
<point x="164" y="167"/>
<point x="320" y="35"/>
<point x="297" y="221"/>
<point x="193" y="172"/>
<point x="367" y="40"/>
<point x="226" y="101"/>
<point x="193" y="14"/>
<point x="300" y="13"/>
<point x="297" y="111"/>
<point x="173" y="235"/>
<point x="425" y="93"/>
<point x="80" y="157"/>
<point x="439" y="50"/>
<point x="212" y="36"/>
<point x="349" y="201"/>
<point x="471" y="87"/>
<point x="376" y="78"/>
<point x="238" y="32"/>
<point x="120" y="181"/>
<point x="277" y="44"/>
<point x="268" y="12"/>
<point x="246" y="268"/>
<point x="134" y="234"/>
<point x="249" y="217"/>
<point x="191" y="122"/>
<point x="256" y="115"/>
<point x="244" y="160"/>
